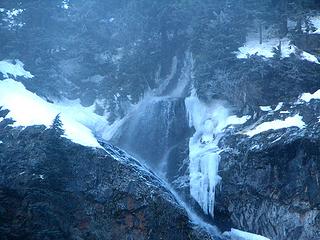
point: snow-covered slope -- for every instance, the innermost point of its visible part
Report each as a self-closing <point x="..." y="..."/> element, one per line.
<point x="27" y="109"/>
<point x="13" y="68"/>
<point x="268" y="46"/>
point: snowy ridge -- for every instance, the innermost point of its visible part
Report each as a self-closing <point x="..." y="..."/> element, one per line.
<point x="209" y="122"/>
<point x="28" y="109"/>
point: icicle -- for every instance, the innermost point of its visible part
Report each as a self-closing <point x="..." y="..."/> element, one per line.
<point x="208" y="122"/>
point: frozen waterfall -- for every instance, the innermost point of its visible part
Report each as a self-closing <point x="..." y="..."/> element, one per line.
<point x="209" y="122"/>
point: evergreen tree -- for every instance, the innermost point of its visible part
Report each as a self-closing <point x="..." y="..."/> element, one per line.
<point x="57" y="126"/>
<point x="5" y="121"/>
<point x="3" y="112"/>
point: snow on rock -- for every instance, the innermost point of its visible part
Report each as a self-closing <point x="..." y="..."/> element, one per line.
<point x="279" y="106"/>
<point x="284" y="112"/>
<point x="307" y="97"/>
<point x="309" y="57"/>
<point x="236" y="234"/>
<point x="265" y="108"/>
<point x="266" y="49"/>
<point x="27" y="109"/>
<point x="15" y="68"/>
<point x="295" y="121"/>
<point x="270" y="109"/>
<point x="315" y="20"/>
<point x="209" y="122"/>
<point x="235" y="120"/>
<point x="253" y="47"/>
<point x="65" y="4"/>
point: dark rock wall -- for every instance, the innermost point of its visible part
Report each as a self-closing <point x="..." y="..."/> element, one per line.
<point x="51" y="188"/>
<point x="270" y="182"/>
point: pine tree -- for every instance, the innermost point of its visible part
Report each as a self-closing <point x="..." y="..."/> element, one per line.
<point x="57" y="126"/>
<point x="4" y="122"/>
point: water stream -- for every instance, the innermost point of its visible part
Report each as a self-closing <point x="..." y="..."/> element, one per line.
<point x="162" y="120"/>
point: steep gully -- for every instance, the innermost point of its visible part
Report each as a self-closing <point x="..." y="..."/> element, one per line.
<point x="155" y="127"/>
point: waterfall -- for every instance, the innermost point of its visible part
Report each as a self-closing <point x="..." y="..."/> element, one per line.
<point x="157" y="124"/>
<point x="194" y="218"/>
<point x="152" y="130"/>
<point x="161" y="122"/>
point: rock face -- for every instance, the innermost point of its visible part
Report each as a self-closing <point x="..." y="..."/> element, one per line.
<point x="51" y="188"/>
<point x="270" y="182"/>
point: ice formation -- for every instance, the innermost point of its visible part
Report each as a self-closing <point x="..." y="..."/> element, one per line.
<point x="209" y="122"/>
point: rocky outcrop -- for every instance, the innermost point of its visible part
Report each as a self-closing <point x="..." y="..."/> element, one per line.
<point x="51" y="188"/>
<point x="270" y="182"/>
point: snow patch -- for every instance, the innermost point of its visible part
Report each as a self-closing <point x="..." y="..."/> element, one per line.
<point x="284" y="112"/>
<point x="266" y="49"/>
<point x="307" y="97"/>
<point x="270" y="109"/>
<point x="65" y="4"/>
<point x="235" y="120"/>
<point x="265" y="108"/>
<point x="295" y="121"/>
<point x="236" y="234"/>
<point x="28" y="109"/>
<point x="309" y="57"/>
<point x="15" y="68"/>
<point x="316" y="23"/>
<point x="279" y="106"/>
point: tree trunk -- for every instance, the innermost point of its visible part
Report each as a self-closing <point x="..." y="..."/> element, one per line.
<point x="283" y="18"/>
<point x="260" y="32"/>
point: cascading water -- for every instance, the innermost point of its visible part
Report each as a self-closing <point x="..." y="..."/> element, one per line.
<point x="158" y="122"/>
<point x="157" y="125"/>
<point x="162" y="120"/>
